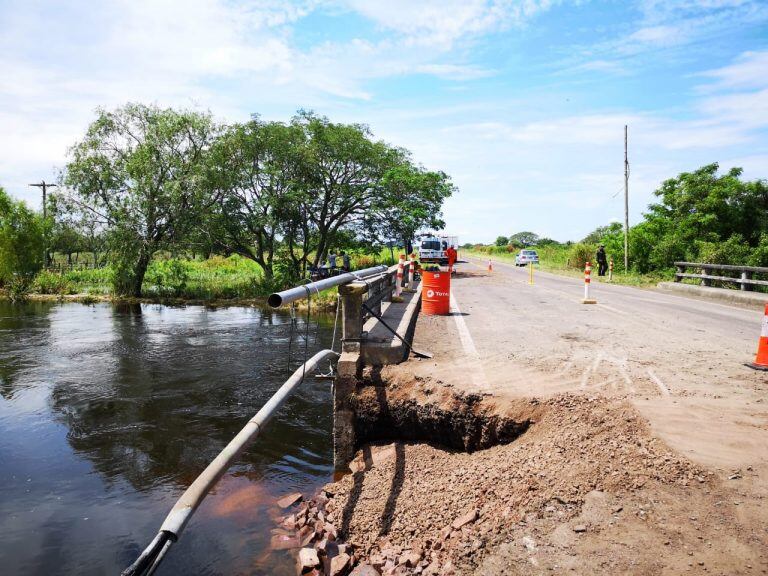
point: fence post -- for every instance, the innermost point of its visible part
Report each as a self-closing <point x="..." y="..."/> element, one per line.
<point x="347" y="370"/>
<point x="745" y="275"/>
<point x="705" y="272"/>
<point x="680" y="270"/>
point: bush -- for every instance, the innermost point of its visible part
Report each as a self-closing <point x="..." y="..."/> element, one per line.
<point x="18" y="287"/>
<point x="168" y="277"/>
<point x="48" y="282"/>
<point x="732" y="251"/>
<point x="363" y="261"/>
<point x="580" y="254"/>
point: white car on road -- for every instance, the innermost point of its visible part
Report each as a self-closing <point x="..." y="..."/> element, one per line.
<point x="526" y="257"/>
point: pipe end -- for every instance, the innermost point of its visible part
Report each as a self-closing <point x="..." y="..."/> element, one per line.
<point x="275" y="300"/>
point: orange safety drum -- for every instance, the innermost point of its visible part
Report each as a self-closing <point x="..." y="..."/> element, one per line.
<point x="435" y="293"/>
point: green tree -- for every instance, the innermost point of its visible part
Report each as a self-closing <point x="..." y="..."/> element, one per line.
<point x="410" y="199"/>
<point x="502" y="241"/>
<point x="524" y="239"/>
<point x="261" y="189"/>
<point x="599" y="234"/>
<point x="145" y="173"/>
<point x="697" y="209"/>
<point x="341" y="171"/>
<point x="21" y="243"/>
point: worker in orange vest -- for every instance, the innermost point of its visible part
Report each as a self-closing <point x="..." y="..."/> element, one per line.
<point x="451" y="254"/>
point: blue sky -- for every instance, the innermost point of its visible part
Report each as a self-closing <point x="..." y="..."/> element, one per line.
<point x="522" y="102"/>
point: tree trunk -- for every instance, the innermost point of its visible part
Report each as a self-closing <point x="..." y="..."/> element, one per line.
<point x="139" y="272"/>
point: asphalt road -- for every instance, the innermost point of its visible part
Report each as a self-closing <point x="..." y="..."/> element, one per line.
<point x="680" y="361"/>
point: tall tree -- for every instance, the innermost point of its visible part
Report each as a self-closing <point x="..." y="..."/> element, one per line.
<point x="260" y="189"/>
<point x="524" y="238"/>
<point x="341" y="169"/>
<point x="21" y="242"/>
<point x="410" y="198"/>
<point x="144" y="172"/>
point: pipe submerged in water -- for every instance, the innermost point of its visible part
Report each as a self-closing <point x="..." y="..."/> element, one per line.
<point x="185" y="507"/>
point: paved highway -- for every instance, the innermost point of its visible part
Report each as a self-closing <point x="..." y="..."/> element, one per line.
<point x="679" y="360"/>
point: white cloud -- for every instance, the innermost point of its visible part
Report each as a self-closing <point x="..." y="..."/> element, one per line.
<point x="750" y="70"/>
<point x="658" y="35"/>
<point x="442" y="22"/>
<point x="453" y="71"/>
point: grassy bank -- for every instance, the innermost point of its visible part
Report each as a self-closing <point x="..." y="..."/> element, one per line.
<point x="217" y="280"/>
<point x="560" y="259"/>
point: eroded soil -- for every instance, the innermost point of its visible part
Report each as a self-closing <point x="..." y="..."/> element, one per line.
<point x="585" y="488"/>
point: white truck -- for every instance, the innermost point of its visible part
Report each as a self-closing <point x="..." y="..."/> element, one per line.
<point x="432" y="248"/>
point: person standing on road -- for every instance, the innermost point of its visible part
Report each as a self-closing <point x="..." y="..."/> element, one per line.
<point x="450" y="253"/>
<point x="602" y="261"/>
<point x="332" y="260"/>
<point x="345" y="263"/>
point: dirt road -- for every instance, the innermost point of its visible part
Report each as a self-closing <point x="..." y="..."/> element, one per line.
<point x="646" y="450"/>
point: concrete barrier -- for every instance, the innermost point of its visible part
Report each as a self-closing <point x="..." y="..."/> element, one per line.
<point x="380" y="346"/>
<point x="750" y="299"/>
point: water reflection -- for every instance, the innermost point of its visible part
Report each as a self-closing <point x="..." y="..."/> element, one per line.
<point x="109" y="412"/>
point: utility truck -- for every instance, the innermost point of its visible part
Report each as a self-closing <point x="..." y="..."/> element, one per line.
<point x="432" y="247"/>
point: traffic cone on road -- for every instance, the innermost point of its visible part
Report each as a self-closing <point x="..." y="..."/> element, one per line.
<point x="761" y="360"/>
<point x="490" y="265"/>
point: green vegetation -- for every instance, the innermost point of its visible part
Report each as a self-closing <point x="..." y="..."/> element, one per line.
<point x="22" y="245"/>
<point x="701" y="216"/>
<point x="171" y="204"/>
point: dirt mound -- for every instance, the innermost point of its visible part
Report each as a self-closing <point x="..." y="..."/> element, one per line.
<point x="419" y="508"/>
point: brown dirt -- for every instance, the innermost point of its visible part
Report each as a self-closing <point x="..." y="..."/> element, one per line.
<point x="586" y="488"/>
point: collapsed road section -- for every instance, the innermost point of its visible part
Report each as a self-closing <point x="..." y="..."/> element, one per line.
<point x="533" y="443"/>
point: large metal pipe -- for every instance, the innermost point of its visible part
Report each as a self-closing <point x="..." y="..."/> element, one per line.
<point x="292" y="294"/>
<point x="185" y="506"/>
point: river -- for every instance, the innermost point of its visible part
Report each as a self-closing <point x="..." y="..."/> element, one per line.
<point x="108" y="412"/>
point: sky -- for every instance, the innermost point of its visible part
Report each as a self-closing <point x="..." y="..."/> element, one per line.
<point x="522" y="102"/>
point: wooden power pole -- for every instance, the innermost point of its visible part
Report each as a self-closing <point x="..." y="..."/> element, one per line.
<point x="626" y="204"/>
<point x="43" y="185"/>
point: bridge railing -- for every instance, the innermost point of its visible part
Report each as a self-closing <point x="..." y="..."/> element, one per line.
<point x="373" y="291"/>
<point x="377" y="283"/>
<point x="722" y="273"/>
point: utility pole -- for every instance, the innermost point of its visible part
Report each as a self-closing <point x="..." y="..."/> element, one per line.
<point x="626" y="204"/>
<point x="43" y="185"/>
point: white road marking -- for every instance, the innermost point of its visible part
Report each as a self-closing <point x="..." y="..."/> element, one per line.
<point x="477" y="371"/>
<point x="658" y="382"/>
<point x="590" y="369"/>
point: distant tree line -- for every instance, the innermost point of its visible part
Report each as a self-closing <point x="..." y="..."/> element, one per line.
<point x="145" y="179"/>
<point x="700" y="216"/>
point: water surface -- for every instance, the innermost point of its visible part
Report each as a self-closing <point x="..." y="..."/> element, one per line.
<point x="108" y="412"/>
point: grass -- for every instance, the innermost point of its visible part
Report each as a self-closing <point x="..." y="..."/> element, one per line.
<point x="557" y="260"/>
<point x="217" y="279"/>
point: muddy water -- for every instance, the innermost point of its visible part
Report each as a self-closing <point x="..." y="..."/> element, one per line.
<point x="108" y="413"/>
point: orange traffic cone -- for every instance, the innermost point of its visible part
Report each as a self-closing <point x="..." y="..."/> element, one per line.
<point x="490" y="266"/>
<point x="761" y="360"/>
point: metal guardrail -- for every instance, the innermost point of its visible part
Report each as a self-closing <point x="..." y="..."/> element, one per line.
<point x="745" y="280"/>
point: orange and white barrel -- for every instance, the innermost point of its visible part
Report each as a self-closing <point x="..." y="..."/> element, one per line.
<point x="435" y="293"/>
